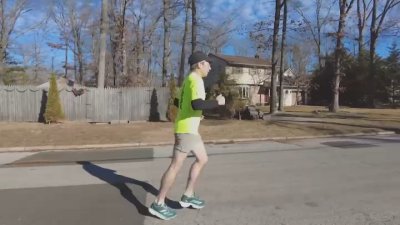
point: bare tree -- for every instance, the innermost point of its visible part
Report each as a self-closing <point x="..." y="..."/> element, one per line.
<point x="281" y="68"/>
<point x="36" y="58"/>
<point x="194" y="26"/>
<point x="72" y="19"/>
<point x="61" y="46"/>
<point x="300" y="57"/>
<point x="118" y="41"/>
<point x="218" y="34"/>
<point x="183" y="51"/>
<point x="316" y="28"/>
<point x="167" y="47"/>
<point x="78" y="21"/>
<point x="103" y="37"/>
<point x="363" y="13"/>
<point x="32" y="56"/>
<point x="143" y="40"/>
<point x="344" y="7"/>
<point x="146" y="20"/>
<point x="377" y="21"/>
<point x="299" y="60"/>
<point x="122" y="28"/>
<point x="274" y="61"/>
<point x="139" y="30"/>
<point x="8" y="18"/>
<point x="95" y="48"/>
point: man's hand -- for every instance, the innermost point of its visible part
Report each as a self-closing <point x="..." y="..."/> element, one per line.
<point x="220" y="99"/>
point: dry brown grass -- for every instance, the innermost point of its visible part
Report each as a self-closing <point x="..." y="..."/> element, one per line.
<point x="314" y="121"/>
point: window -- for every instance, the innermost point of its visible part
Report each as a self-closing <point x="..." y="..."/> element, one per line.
<point x="261" y="71"/>
<point x="253" y="71"/>
<point x="244" y="92"/>
<point x="237" y="70"/>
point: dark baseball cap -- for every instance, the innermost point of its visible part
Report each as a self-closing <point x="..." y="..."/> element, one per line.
<point x="197" y="57"/>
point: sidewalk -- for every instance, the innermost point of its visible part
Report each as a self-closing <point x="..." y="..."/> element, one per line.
<point x="34" y="137"/>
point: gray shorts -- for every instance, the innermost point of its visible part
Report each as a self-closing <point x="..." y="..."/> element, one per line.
<point x="188" y="143"/>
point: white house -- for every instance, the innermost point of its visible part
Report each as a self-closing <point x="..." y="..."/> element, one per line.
<point x="252" y="77"/>
<point x="62" y="83"/>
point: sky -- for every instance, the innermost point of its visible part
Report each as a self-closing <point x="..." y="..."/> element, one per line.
<point x="244" y="13"/>
<point x="249" y="11"/>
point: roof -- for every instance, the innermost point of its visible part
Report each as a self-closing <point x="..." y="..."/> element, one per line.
<point x="242" y="60"/>
<point x="62" y="83"/>
<point x="289" y="73"/>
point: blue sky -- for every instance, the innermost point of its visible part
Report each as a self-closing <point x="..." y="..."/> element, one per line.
<point x="249" y="11"/>
<point x="243" y="12"/>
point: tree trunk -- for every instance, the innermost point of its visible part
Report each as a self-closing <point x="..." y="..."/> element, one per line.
<point x="194" y="26"/>
<point x="281" y="69"/>
<point x="362" y="17"/>
<point x="360" y="29"/>
<point x="142" y="50"/>
<point x="8" y="17"/>
<point x="124" y="69"/>
<point x="136" y="60"/>
<point x="319" y="56"/>
<point x="78" y="53"/>
<point x="114" y="64"/>
<point x="182" y="64"/>
<point x="36" y="59"/>
<point x="103" y="36"/>
<point x="360" y="26"/>
<point x="318" y="12"/>
<point x="4" y="38"/>
<point x="80" y="64"/>
<point x="114" y="44"/>
<point x="372" y="48"/>
<point x="297" y="93"/>
<point x="316" y="30"/>
<point x="118" y="42"/>
<point x="75" y="70"/>
<point x="334" y="106"/>
<point x="344" y="7"/>
<point x="3" y="21"/>
<point x="66" y="58"/>
<point x="375" y="28"/>
<point x="167" y="51"/>
<point x="273" y="58"/>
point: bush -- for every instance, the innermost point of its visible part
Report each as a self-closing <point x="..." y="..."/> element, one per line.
<point x="233" y="104"/>
<point x="154" y="114"/>
<point x="54" y="112"/>
<point x="15" y="76"/>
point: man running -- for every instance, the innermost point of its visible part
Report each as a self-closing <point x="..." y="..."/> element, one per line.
<point x="191" y="102"/>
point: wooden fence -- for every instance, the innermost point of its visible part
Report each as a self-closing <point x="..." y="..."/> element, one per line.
<point x="27" y="104"/>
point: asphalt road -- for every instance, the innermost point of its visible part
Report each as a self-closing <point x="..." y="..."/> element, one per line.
<point x="315" y="181"/>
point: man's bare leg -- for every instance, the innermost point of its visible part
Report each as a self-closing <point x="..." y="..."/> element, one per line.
<point x="169" y="176"/>
<point x="195" y="170"/>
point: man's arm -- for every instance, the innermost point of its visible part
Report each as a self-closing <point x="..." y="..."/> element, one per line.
<point x="200" y="104"/>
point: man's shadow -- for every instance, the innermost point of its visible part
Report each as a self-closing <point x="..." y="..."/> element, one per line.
<point x="121" y="182"/>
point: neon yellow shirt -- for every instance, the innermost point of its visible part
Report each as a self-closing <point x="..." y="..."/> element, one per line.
<point x="188" y="119"/>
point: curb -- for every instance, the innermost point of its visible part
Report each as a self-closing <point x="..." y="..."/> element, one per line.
<point x="144" y="144"/>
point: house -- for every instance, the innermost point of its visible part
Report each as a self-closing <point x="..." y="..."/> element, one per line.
<point x="62" y="83"/>
<point x="252" y="76"/>
<point x="295" y="92"/>
<point x="65" y="84"/>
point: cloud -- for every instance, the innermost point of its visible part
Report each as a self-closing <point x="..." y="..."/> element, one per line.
<point x="243" y="11"/>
